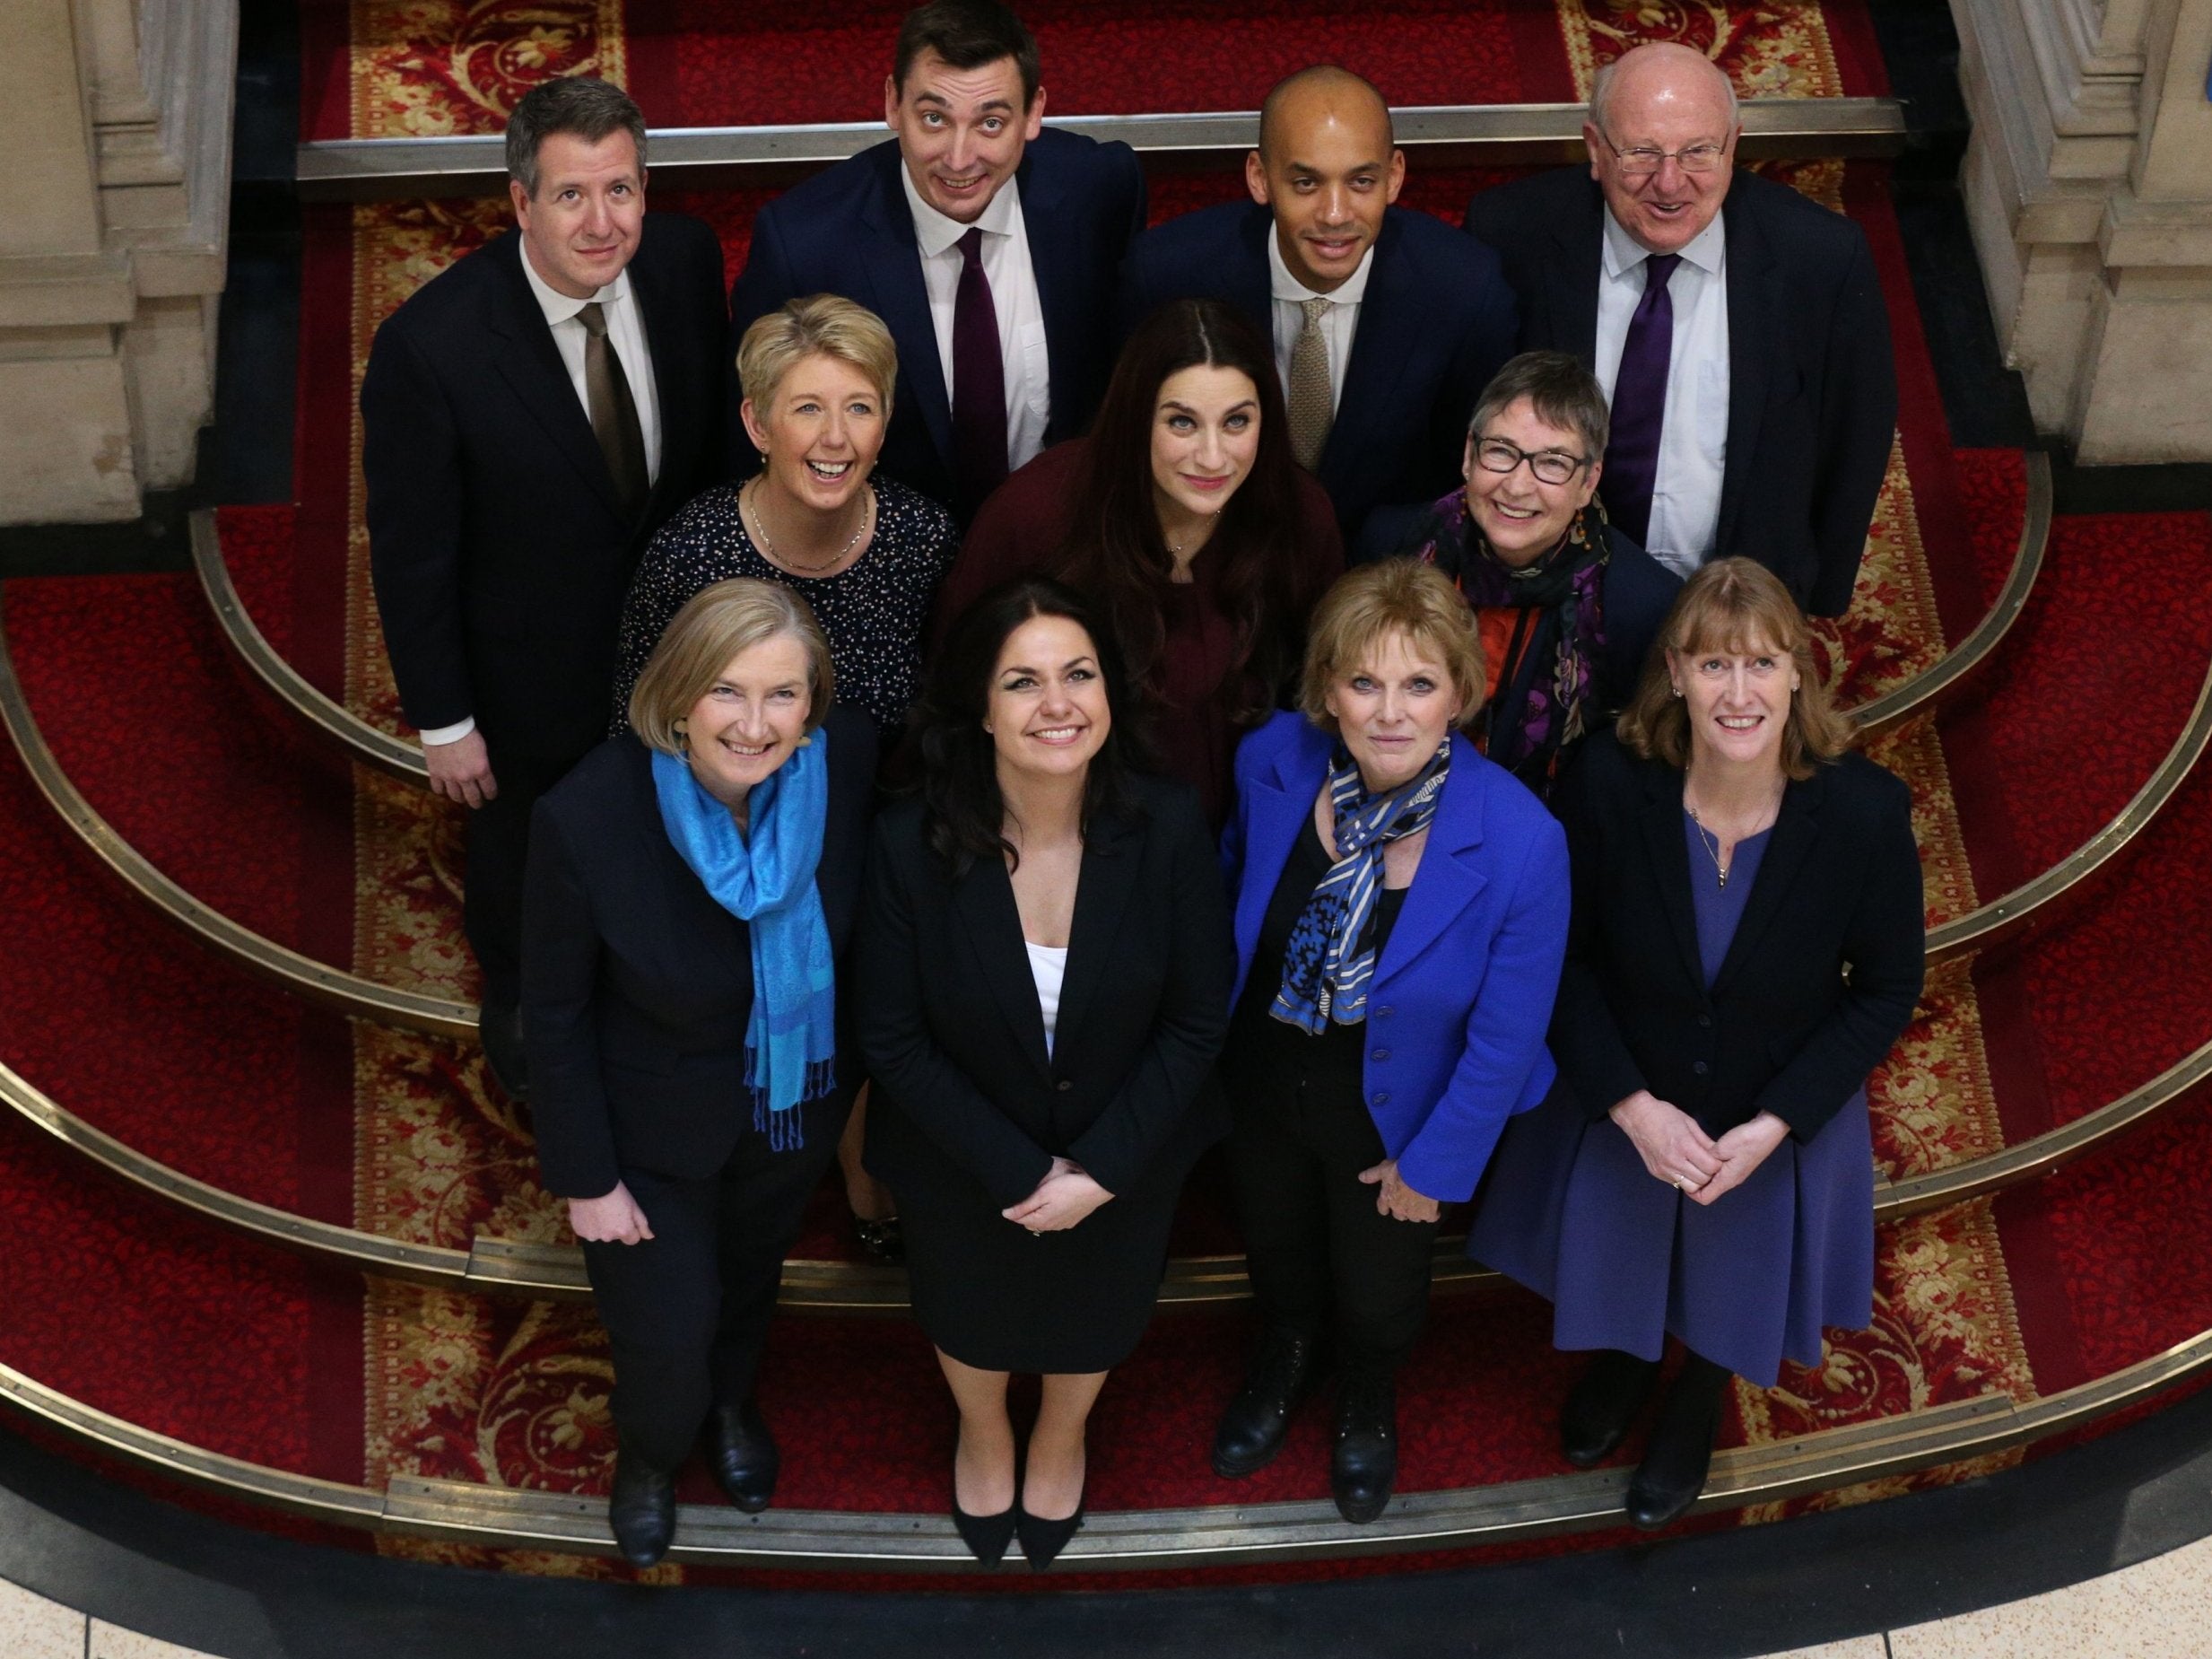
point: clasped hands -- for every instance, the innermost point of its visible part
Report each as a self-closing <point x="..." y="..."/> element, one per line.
<point x="1064" y="1197"/>
<point x="1677" y="1151"/>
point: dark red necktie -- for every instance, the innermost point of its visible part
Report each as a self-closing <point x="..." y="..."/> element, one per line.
<point x="1640" y="402"/>
<point x="978" y="383"/>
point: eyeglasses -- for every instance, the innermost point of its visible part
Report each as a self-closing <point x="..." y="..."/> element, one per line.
<point x="1549" y="466"/>
<point x="1643" y="161"/>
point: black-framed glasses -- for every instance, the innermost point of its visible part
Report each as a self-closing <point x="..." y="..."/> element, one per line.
<point x="1549" y="466"/>
<point x="1643" y="161"/>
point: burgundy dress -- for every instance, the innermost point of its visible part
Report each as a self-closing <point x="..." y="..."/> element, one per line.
<point x="1021" y="529"/>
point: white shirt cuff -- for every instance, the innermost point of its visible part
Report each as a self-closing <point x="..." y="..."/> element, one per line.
<point x="448" y="734"/>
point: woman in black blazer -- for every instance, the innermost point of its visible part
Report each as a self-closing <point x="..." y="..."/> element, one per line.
<point x="1043" y="975"/>
<point x="689" y="886"/>
<point x="1746" y="947"/>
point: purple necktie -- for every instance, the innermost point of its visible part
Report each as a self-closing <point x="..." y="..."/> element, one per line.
<point x="1640" y="402"/>
<point x="978" y="383"/>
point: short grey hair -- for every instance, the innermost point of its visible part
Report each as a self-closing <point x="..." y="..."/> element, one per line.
<point x="1601" y="94"/>
<point x="1561" y="390"/>
<point x="584" y="105"/>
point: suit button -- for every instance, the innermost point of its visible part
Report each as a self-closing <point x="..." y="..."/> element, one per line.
<point x="1381" y="1098"/>
<point x="1063" y="1086"/>
<point x="1380" y="1054"/>
<point x="1705" y="1020"/>
<point x="1700" y="1067"/>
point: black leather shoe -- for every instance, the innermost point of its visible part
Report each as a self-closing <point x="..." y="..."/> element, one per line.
<point x="1603" y="1404"/>
<point x="1675" y="1465"/>
<point x="743" y="1456"/>
<point x="1252" y="1429"/>
<point x="499" y="1027"/>
<point x="1364" y="1462"/>
<point x="881" y="1237"/>
<point x="987" y="1536"/>
<point x="642" y="1509"/>
<point x="1043" y="1540"/>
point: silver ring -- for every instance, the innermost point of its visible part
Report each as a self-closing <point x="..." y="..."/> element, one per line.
<point x="1679" y="1186"/>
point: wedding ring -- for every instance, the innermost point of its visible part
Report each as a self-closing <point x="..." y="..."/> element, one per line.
<point x="1679" y="1186"/>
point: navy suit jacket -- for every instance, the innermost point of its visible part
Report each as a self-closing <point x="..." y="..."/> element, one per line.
<point x="849" y="231"/>
<point x="1463" y="991"/>
<point x="1812" y="387"/>
<point x="1435" y="325"/>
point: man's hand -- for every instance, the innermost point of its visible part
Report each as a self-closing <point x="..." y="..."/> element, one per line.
<point x="461" y="770"/>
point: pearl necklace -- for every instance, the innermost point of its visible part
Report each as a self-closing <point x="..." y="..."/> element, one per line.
<point x="760" y="533"/>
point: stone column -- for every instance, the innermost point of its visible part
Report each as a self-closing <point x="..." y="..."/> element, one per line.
<point x="110" y="266"/>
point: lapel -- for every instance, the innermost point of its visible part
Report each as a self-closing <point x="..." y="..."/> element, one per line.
<point x="1055" y="261"/>
<point x="719" y="936"/>
<point x="893" y="259"/>
<point x="1797" y="828"/>
<point x="532" y="368"/>
<point x="1384" y="340"/>
<point x="1450" y="876"/>
<point x="983" y="899"/>
<point x="1660" y="821"/>
<point x="1577" y="266"/>
<point x="1103" y="892"/>
<point x="1279" y="800"/>
<point x="1253" y="291"/>
<point x="1752" y="329"/>
<point x="674" y="369"/>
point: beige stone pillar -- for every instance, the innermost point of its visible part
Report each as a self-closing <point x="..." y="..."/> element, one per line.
<point x="109" y="268"/>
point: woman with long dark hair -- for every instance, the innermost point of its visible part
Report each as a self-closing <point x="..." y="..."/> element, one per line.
<point x="1044" y="975"/>
<point x="1185" y="518"/>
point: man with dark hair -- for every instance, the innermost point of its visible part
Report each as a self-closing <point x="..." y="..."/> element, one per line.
<point x="1737" y="328"/>
<point x="986" y="242"/>
<point x="528" y="419"/>
<point x="1384" y="329"/>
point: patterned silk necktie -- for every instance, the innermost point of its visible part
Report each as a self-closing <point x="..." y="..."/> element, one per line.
<point x="1312" y="405"/>
<point x="1640" y="402"/>
<point x="978" y="383"/>
<point x="613" y="413"/>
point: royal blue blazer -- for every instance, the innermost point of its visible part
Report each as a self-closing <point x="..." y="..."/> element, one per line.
<point x="1462" y="996"/>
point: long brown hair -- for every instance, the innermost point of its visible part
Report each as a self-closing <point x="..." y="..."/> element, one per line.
<point x="1115" y="551"/>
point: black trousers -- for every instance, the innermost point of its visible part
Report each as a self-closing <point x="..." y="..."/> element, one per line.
<point x="686" y="1311"/>
<point x="1324" y="1261"/>
<point x="498" y="847"/>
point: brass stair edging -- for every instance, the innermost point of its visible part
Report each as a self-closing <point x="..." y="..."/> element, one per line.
<point x="317" y="982"/>
<point x="1218" y="1535"/>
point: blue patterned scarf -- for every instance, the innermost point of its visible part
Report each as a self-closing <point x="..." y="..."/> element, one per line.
<point x="1328" y="963"/>
<point x="766" y="879"/>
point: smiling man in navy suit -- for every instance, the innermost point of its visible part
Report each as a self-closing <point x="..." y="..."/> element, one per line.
<point x="988" y="243"/>
<point x="1386" y="324"/>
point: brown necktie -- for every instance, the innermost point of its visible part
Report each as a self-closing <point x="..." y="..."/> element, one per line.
<point x="1312" y="405"/>
<point x="613" y="413"/>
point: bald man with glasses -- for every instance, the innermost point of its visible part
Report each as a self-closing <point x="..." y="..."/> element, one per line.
<point x="1736" y="328"/>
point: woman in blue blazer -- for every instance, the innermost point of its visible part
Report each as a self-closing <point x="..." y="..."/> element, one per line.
<point x="1388" y="876"/>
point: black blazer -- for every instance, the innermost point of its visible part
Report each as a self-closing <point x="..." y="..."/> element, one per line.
<point x="849" y="231"/>
<point x="948" y="1019"/>
<point x="1435" y="325"/>
<point x="1784" y="1029"/>
<point x="1812" y="387"/>
<point x="637" y="985"/>
<point x="500" y="553"/>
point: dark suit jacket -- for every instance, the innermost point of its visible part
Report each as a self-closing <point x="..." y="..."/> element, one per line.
<point x="637" y="985"/>
<point x="1435" y="325"/>
<point x="1638" y="593"/>
<point x="1812" y="387"/>
<point x="500" y="553"/>
<point x="1782" y="1029"/>
<point x="849" y="231"/>
<point x="949" y="1022"/>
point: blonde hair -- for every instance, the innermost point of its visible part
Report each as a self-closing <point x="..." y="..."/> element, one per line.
<point x="825" y="324"/>
<point x="715" y="626"/>
<point x="1736" y="606"/>
<point x="1400" y="596"/>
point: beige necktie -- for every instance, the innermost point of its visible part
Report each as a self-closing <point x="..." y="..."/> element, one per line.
<point x="1312" y="408"/>
<point x="613" y="413"/>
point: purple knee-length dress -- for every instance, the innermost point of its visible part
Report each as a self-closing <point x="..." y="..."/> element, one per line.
<point x="1569" y="1211"/>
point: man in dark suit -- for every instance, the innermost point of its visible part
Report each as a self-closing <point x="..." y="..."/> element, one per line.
<point x="1737" y="328"/>
<point x="529" y="418"/>
<point x="987" y="244"/>
<point x="1385" y="329"/>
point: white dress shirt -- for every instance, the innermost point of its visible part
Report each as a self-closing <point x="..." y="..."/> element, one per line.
<point x="1339" y="323"/>
<point x="1047" y="965"/>
<point x="1694" y="440"/>
<point x="1014" y="302"/>
<point x="625" y="332"/>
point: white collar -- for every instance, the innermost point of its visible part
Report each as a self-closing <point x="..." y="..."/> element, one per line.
<point x="1283" y="285"/>
<point x="557" y="306"/>
<point x="934" y="232"/>
<point x="1707" y="250"/>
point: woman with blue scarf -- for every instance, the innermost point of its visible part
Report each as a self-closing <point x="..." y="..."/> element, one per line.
<point x="691" y="885"/>
<point x="1401" y="911"/>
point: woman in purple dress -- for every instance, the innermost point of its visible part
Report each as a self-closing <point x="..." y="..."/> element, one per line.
<point x="1747" y="944"/>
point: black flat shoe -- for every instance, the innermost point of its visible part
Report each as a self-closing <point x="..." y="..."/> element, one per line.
<point x="1363" y="1464"/>
<point x="881" y="1238"/>
<point x="500" y="1030"/>
<point x="642" y="1509"/>
<point x="1603" y="1404"/>
<point x="987" y="1536"/>
<point x="1252" y="1429"/>
<point x="1673" y="1468"/>
<point x="1042" y="1541"/>
<point x="741" y="1454"/>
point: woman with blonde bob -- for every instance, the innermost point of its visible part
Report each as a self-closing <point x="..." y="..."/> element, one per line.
<point x="1401" y="907"/>
<point x="690" y="886"/>
<point x="1748" y="944"/>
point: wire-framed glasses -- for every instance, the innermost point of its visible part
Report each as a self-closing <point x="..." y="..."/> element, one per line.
<point x="1643" y="161"/>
